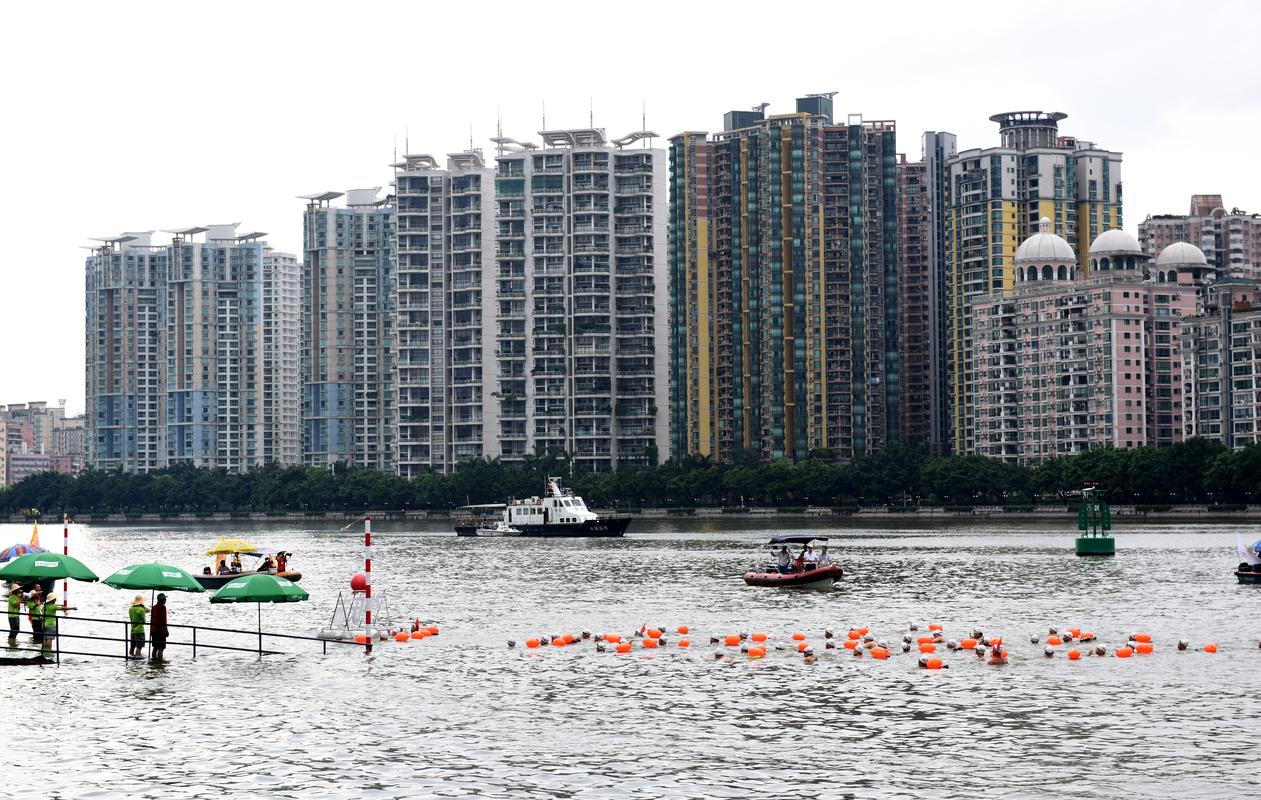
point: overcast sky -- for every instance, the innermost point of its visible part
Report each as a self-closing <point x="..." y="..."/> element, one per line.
<point x="137" y="116"/>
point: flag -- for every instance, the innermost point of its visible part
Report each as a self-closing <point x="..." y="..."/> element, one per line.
<point x="35" y="535"/>
<point x="1246" y="553"/>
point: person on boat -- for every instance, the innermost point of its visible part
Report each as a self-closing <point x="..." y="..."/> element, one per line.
<point x="800" y="563"/>
<point x="158" y="630"/>
<point x="281" y="561"/>
<point x="224" y="569"/>
<point x="206" y="571"/>
<point x="50" y="619"/>
<point x="35" y="613"/>
<point x="783" y="560"/>
<point x="267" y="566"/>
<point x="236" y="563"/>
<point x="810" y="559"/>
<point x="136" y="614"/>
<point x="825" y="560"/>
<point x="15" y="611"/>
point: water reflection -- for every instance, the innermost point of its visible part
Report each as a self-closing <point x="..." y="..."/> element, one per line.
<point x="460" y="714"/>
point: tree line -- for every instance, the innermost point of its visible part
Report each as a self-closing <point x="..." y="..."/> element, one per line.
<point x="1195" y="471"/>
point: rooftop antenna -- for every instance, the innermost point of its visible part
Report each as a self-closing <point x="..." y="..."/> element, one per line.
<point x="643" y="118"/>
<point x="470" y="136"/>
<point x="590" y="112"/>
<point x="544" y="115"/>
<point x="407" y="146"/>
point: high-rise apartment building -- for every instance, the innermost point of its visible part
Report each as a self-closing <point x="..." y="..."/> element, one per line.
<point x="447" y="411"/>
<point x="1230" y="240"/>
<point x="995" y="198"/>
<point x="785" y="257"/>
<point x="177" y="368"/>
<point x="916" y="310"/>
<point x="1221" y="351"/>
<point x="349" y="290"/>
<point x="581" y="319"/>
<point x="282" y="349"/>
<point x="1066" y="363"/>
<point x="938" y="147"/>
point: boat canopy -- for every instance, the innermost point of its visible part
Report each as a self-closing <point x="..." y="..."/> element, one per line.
<point x="481" y="506"/>
<point x="793" y="538"/>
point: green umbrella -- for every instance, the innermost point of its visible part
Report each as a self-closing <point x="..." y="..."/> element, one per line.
<point x="260" y="589"/>
<point x="154" y="576"/>
<point x="44" y="567"/>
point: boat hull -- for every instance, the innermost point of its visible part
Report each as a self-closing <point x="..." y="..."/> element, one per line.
<point x="219" y="581"/>
<point x="603" y="527"/>
<point x="1249" y="577"/>
<point x="821" y="578"/>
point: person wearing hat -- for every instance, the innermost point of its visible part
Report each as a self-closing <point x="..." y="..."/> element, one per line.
<point x="35" y="613"/>
<point x="15" y="611"/>
<point x="136" y="613"/>
<point x="158" y="630"/>
<point x="50" y="619"/>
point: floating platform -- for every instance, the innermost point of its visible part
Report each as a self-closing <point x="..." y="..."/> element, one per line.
<point x="1096" y="546"/>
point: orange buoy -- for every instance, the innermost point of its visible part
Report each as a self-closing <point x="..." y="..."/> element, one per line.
<point x="654" y="633"/>
<point x="932" y="663"/>
<point x="1144" y="647"/>
<point x="418" y="635"/>
<point x="849" y="644"/>
<point x="924" y="640"/>
<point x="863" y="631"/>
<point x="928" y="647"/>
<point x="433" y="630"/>
<point x="402" y="637"/>
<point x="803" y="647"/>
<point x="530" y="643"/>
<point x="1210" y="648"/>
<point x="568" y="638"/>
<point x="651" y="644"/>
<point x="684" y="643"/>
<point x="854" y="635"/>
<point x="624" y="647"/>
<point x="968" y="644"/>
<point x="758" y="637"/>
<point x="1076" y="632"/>
<point x="934" y="627"/>
<point x="681" y="629"/>
<point x="732" y="640"/>
<point x="1073" y="654"/>
<point x="799" y="637"/>
<point x="880" y="653"/>
<point x="1124" y="652"/>
<point x="1143" y="637"/>
<point x="613" y="638"/>
<point x="360" y="638"/>
<point x="1054" y="640"/>
<point x="757" y="651"/>
<point x="559" y="641"/>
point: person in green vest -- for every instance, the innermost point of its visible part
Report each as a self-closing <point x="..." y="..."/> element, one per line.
<point x="15" y="611"/>
<point x="50" y="619"/>
<point x="136" y="613"/>
<point x="35" y="613"/>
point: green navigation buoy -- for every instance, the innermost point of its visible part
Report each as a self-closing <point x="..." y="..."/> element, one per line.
<point x="1094" y="518"/>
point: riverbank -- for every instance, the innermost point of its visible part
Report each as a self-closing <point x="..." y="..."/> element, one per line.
<point x="1121" y="514"/>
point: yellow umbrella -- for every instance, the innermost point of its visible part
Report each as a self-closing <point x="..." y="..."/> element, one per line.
<point x="224" y="546"/>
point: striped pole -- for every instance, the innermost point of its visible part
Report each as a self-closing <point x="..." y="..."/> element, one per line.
<point x="367" y="574"/>
<point x="65" y="551"/>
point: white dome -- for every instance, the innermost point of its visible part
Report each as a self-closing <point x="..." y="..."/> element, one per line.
<point x="1044" y="246"/>
<point x="1118" y="242"/>
<point x="1181" y="254"/>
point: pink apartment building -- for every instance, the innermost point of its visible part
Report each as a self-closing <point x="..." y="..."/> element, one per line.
<point x="1070" y="362"/>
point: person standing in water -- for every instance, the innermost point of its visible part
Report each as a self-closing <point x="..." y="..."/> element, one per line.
<point x="136" y="614"/>
<point x="35" y="613"/>
<point x="15" y="611"/>
<point x="158" y="630"/>
<point x="50" y="619"/>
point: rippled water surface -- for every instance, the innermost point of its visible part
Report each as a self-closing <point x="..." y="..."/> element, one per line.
<point x="461" y="715"/>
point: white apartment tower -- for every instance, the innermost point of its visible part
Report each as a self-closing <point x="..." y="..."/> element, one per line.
<point x="446" y="304"/>
<point x="282" y="344"/>
<point x="581" y="319"/>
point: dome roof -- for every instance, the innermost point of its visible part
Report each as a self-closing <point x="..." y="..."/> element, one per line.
<point x="1044" y="246"/>
<point x="1116" y="241"/>
<point x="1181" y="254"/>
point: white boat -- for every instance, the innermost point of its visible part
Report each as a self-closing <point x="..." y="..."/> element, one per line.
<point x="497" y="528"/>
<point x="557" y="513"/>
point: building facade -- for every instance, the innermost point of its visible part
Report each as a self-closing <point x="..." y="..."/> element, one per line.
<point x="995" y="199"/>
<point x="1229" y="240"/>
<point x="349" y="290"/>
<point x="1069" y="361"/>
<point x="786" y="229"/>
<point x="917" y="312"/>
<point x="447" y="411"/>
<point x="938" y="147"/>
<point x="282" y="348"/>
<point x="176" y="365"/>
<point x="582" y="319"/>
<point x="1221" y="350"/>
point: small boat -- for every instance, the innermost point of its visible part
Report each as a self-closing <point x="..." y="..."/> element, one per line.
<point x="496" y="528"/>
<point x="816" y="578"/>
<point x="557" y="513"/>
<point x="1248" y="573"/>
<point x="210" y="578"/>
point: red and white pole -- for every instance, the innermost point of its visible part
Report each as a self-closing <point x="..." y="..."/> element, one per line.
<point x="65" y="551"/>
<point x="367" y="575"/>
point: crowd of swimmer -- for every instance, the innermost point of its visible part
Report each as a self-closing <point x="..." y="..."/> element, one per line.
<point x="862" y="643"/>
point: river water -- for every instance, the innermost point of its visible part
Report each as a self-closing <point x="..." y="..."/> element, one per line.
<point x="461" y="715"/>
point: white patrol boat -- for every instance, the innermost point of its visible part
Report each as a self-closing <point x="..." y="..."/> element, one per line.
<point x="557" y="513"/>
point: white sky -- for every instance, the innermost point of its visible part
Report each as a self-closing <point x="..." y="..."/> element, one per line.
<point x="136" y="116"/>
